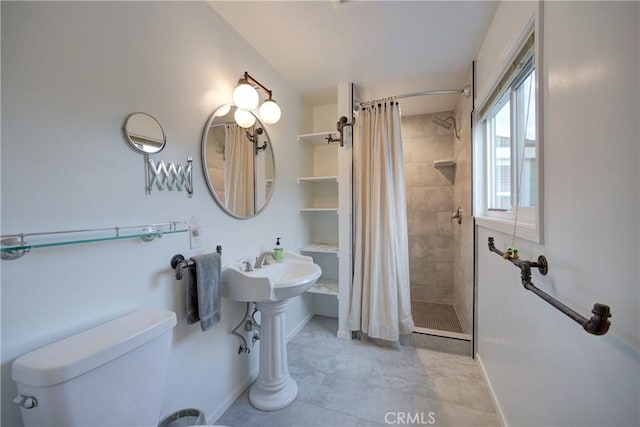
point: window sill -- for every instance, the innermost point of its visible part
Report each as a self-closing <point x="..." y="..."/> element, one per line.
<point x="529" y="232"/>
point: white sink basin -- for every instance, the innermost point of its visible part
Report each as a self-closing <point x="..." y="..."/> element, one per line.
<point x="275" y="282"/>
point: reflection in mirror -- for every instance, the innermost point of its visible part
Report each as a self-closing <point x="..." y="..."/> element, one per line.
<point x="143" y="133"/>
<point x="238" y="164"/>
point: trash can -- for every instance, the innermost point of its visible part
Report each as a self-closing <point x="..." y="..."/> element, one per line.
<point x="184" y="418"/>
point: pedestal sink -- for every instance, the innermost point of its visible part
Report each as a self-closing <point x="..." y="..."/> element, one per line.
<point x="271" y="287"/>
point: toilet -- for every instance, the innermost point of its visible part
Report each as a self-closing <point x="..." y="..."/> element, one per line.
<point x="110" y="375"/>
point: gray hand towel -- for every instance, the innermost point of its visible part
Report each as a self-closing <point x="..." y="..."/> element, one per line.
<point x="203" y="290"/>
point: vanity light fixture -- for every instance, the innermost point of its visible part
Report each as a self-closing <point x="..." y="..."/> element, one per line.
<point x="246" y="98"/>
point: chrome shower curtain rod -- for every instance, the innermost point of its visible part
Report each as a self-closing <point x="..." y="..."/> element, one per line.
<point x="466" y="91"/>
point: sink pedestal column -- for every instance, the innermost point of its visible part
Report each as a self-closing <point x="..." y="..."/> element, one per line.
<point x="274" y="389"/>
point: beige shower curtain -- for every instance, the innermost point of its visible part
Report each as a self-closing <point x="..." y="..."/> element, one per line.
<point x="239" y="179"/>
<point x="380" y="301"/>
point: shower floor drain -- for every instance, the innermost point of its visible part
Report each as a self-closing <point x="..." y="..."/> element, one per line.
<point x="435" y="316"/>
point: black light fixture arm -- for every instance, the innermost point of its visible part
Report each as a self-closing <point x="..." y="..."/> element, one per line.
<point x="598" y="324"/>
<point x="249" y="78"/>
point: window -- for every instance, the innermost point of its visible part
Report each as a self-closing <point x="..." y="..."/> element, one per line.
<point x="508" y="175"/>
<point x="498" y="128"/>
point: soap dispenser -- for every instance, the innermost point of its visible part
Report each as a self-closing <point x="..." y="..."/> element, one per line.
<point x="278" y="251"/>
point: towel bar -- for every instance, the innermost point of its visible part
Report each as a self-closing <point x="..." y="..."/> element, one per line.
<point x="179" y="263"/>
<point x="598" y="324"/>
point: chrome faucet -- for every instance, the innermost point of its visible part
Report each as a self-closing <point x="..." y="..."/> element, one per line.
<point x="264" y="259"/>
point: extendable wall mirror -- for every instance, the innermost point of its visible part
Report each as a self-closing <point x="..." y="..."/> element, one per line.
<point x="144" y="135"/>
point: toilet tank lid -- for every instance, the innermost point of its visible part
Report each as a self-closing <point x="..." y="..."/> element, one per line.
<point x="87" y="350"/>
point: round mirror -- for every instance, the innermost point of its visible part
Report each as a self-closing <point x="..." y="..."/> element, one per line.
<point x="143" y="133"/>
<point x="238" y="164"/>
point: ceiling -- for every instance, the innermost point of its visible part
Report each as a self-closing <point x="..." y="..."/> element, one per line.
<point x="385" y="47"/>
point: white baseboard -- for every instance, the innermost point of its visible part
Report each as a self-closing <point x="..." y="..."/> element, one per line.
<point x="226" y="404"/>
<point x="496" y="403"/>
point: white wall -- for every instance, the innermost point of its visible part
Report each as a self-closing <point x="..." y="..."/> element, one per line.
<point x="71" y="72"/>
<point x="501" y="39"/>
<point x="543" y="369"/>
<point x="325" y="117"/>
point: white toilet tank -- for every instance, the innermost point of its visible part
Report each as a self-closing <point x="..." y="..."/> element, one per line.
<point x="110" y="375"/>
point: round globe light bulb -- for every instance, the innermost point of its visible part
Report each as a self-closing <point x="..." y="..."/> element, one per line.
<point x="246" y="97"/>
<point x="270" y="112"/>
<point x="244" y="119"/>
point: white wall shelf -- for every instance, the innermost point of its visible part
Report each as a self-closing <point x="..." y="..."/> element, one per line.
<point x="318" y="210"/>
<point x="325" y="287"/>
<point x="318" y="138"/>
<point x="328" y="248"/>
<point x="317" y="179"/>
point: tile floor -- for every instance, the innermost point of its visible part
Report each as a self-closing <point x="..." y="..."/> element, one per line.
<point x="356" y="383"/>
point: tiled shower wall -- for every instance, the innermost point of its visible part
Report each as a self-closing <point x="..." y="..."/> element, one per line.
<point x="463" y="234"/>
<point x="430" y="195"/>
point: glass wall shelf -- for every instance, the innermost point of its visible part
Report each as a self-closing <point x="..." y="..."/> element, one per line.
<point x="14" y="246"/>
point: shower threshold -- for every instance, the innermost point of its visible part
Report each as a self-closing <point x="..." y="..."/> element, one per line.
<point x="441" y="333"/>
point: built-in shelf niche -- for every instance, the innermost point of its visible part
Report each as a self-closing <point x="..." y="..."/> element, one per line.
<point x="321" y="187"/>
<point x="325" y="186"/>
<point x="444" y="163"/>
